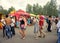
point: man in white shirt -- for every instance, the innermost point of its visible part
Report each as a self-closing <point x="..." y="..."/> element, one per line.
<point x="3" y="21"/>
<point x="12" y="25"/>
<point x="58" y="29"/>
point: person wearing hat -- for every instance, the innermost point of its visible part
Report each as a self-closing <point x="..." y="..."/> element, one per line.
<point x="41" y="24"/>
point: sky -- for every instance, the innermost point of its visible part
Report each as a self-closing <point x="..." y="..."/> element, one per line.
<point x="21" y="4"/>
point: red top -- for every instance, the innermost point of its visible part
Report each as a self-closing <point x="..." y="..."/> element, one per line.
<point x="41" y="22"/>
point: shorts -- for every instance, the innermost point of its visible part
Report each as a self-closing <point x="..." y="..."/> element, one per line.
<point x="22" y="27"/>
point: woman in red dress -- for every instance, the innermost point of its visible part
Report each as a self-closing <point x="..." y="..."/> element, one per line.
<point x="41" y="24"/>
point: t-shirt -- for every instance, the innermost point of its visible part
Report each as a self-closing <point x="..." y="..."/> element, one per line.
<point x="13" y="21"/>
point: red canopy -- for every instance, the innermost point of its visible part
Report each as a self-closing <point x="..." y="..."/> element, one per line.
<point x="22" y="13"/>
<point x="19" y="13"/>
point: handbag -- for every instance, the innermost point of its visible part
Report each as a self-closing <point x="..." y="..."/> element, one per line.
<point x="22" y="26"/>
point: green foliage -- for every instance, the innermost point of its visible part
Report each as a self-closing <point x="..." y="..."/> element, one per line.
<point x="35" y="9"/>
<point x="49" y="9"/>
<point x="5" y="12"/>
<point x="59" y="11"/>
<point x="11" y="9"/>
<point x="29" y="8"/>
<point x="1" y="9"/>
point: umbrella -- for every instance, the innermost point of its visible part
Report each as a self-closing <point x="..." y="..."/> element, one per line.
<point x="33" y="15"/>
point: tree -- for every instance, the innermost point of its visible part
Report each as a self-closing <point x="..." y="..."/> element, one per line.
<point x="51" y="8"/>
<point x="5" y="12"/>
<point x="11" y="9"/>
<point x="1" y="9"/>
<point x="45" y="8"/>
<point x="37" y="9"/>
<point x="59" y="11"/>
<point x="29" y="8"/>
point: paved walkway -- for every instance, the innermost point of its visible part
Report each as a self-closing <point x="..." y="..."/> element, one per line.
<point x="51" y="37"/>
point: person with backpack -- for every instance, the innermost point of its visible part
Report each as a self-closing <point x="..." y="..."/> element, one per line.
<point x="23" y="24"/>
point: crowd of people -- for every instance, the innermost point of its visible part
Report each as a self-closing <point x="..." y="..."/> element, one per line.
<point x="8" y="24"/>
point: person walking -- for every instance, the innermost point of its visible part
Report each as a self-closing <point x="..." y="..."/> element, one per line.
<point x="13" y="25"/>
<point x="49" y="24"/>
<point x="4" y="24"/>
<point x="58" y="27"/>
<point x="8" y="27"/>
<point x="36" y="27"/>
<point x="23" y="24"/>
<point x="41" y="24"/>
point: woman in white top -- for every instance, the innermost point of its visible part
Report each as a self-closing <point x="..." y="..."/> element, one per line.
<point x="36" y="27"/>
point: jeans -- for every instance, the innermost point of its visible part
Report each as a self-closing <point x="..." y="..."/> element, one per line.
<point x="8" y="31"/>
<point x="13" y="30"/>
<point x="58" y="37"/>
